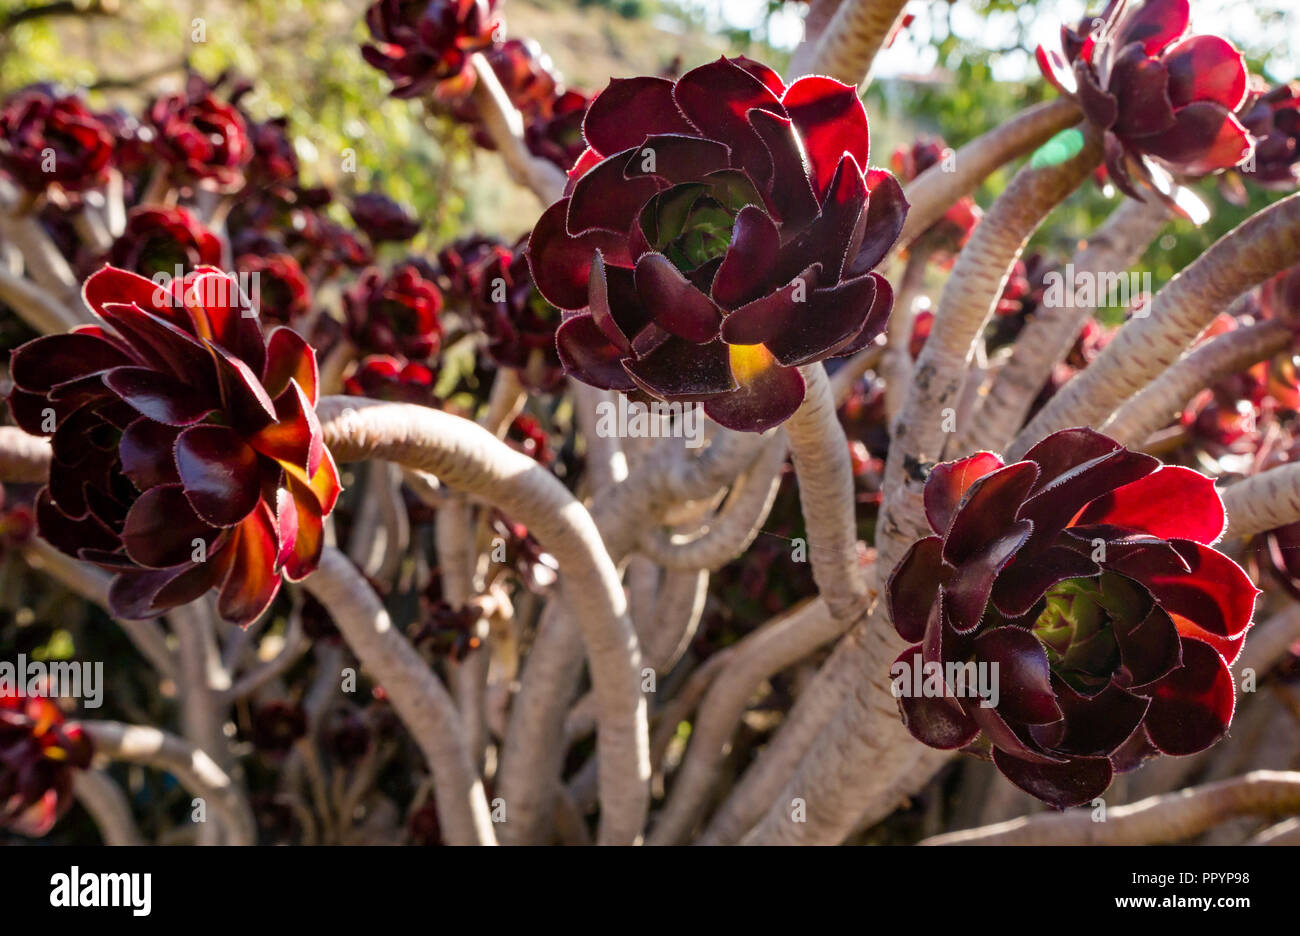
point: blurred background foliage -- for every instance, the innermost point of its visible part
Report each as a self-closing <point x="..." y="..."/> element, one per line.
<point x="303" y="56"/>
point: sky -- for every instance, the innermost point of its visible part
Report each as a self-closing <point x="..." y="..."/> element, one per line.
<point x="912" y="53"/>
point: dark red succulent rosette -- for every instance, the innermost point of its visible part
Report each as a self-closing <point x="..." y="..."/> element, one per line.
<point x="556" y="134"/>
<point x="383" y="377"/>
<point x="52" y="139"/>
<point x="1274" y="118"/>
<point x="719" y="232"/>
<point x="276" y="726"/>
<point x="1165" y="99"/>
<point x="1085" y="574"/>
<point x="424" y="45"/>
<point x="39" y="751"/>
<point x="186" y="450"/>
<point x="382" y="219"/>
<point x="200" y="137"/>
<point x="395" y="314"/>
<point x="274" y="164"/>
<point x="163" y="240"/>
<point x="282" y="293"/>
<point x="519" y="323"/>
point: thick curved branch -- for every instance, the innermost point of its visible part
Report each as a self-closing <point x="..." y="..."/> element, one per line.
<point x="729" y="532"/>
<point x="1049" y="335"/>
<point x="417" y="695"/>
<point x="1164" y="398"/>
<point x="850" y="41"/>
<point x="857" y="758"/>
<point x="1259" y="247"/>
<point x="505" y="126"/>
<point x="533" y="752"/>
<point x="468" y="457"/>
<point x="196" y="771"/>
<point x="107" y="805"/>
<point x="1263" y="502"/>
<point x="1172" y="817"/>
<point x="934" y="191"/>
<point x="826" y="496"/>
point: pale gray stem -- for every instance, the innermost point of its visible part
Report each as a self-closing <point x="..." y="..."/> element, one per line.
<point x="196" y="771"/>
<point x="1172" y="817"/>
<point x="107" y="805"/>
<point x="505" y="126"/>
<point x="850" y="41"/>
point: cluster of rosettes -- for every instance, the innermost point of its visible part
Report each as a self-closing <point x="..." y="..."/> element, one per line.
<point x="946" y="237"/>
<point x="496" y="287"/>
<point x="38" y="753"/>
<point x="1158" y="93"/>
<point x="425" y="45"/>
<point x="186" y="450"/>
<point x="1081" y="586"/>
<point x="200" y="137"/>
<point x="719" y="232"/>
<point x="50" y="140"/>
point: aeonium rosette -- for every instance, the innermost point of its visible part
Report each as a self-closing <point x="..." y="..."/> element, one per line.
<point x="1080" y="585"/>
<point x="52" y="139"/>
<point x="161" y="240"/>
<point x="426" y="44"/>
<point x="395" y="314"/>
<point x="720" y="231"/>
<point x="497" y="287"/>
<point x="1165" y="99"/>
<point x="201" y="137"/>
<point x="186" y="450"/>
<point x="38" y="753"/>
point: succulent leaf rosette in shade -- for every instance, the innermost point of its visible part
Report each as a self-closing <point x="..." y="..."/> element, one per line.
<point x="38" y="753"/>
<point x="424" y="45"/>
<point x="719" y="232"/>
<point x="396" y="314"/>
<point x="201" y="137"/>
<point x="186" y="450"/>
<point x="496" y="285"/>
<point x="52" y="139"/>
<point x="1165" y="99"/>
<point x="159" y="240"/>
<point x="1086" y="574"/>
<point x="383" y="219"/>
